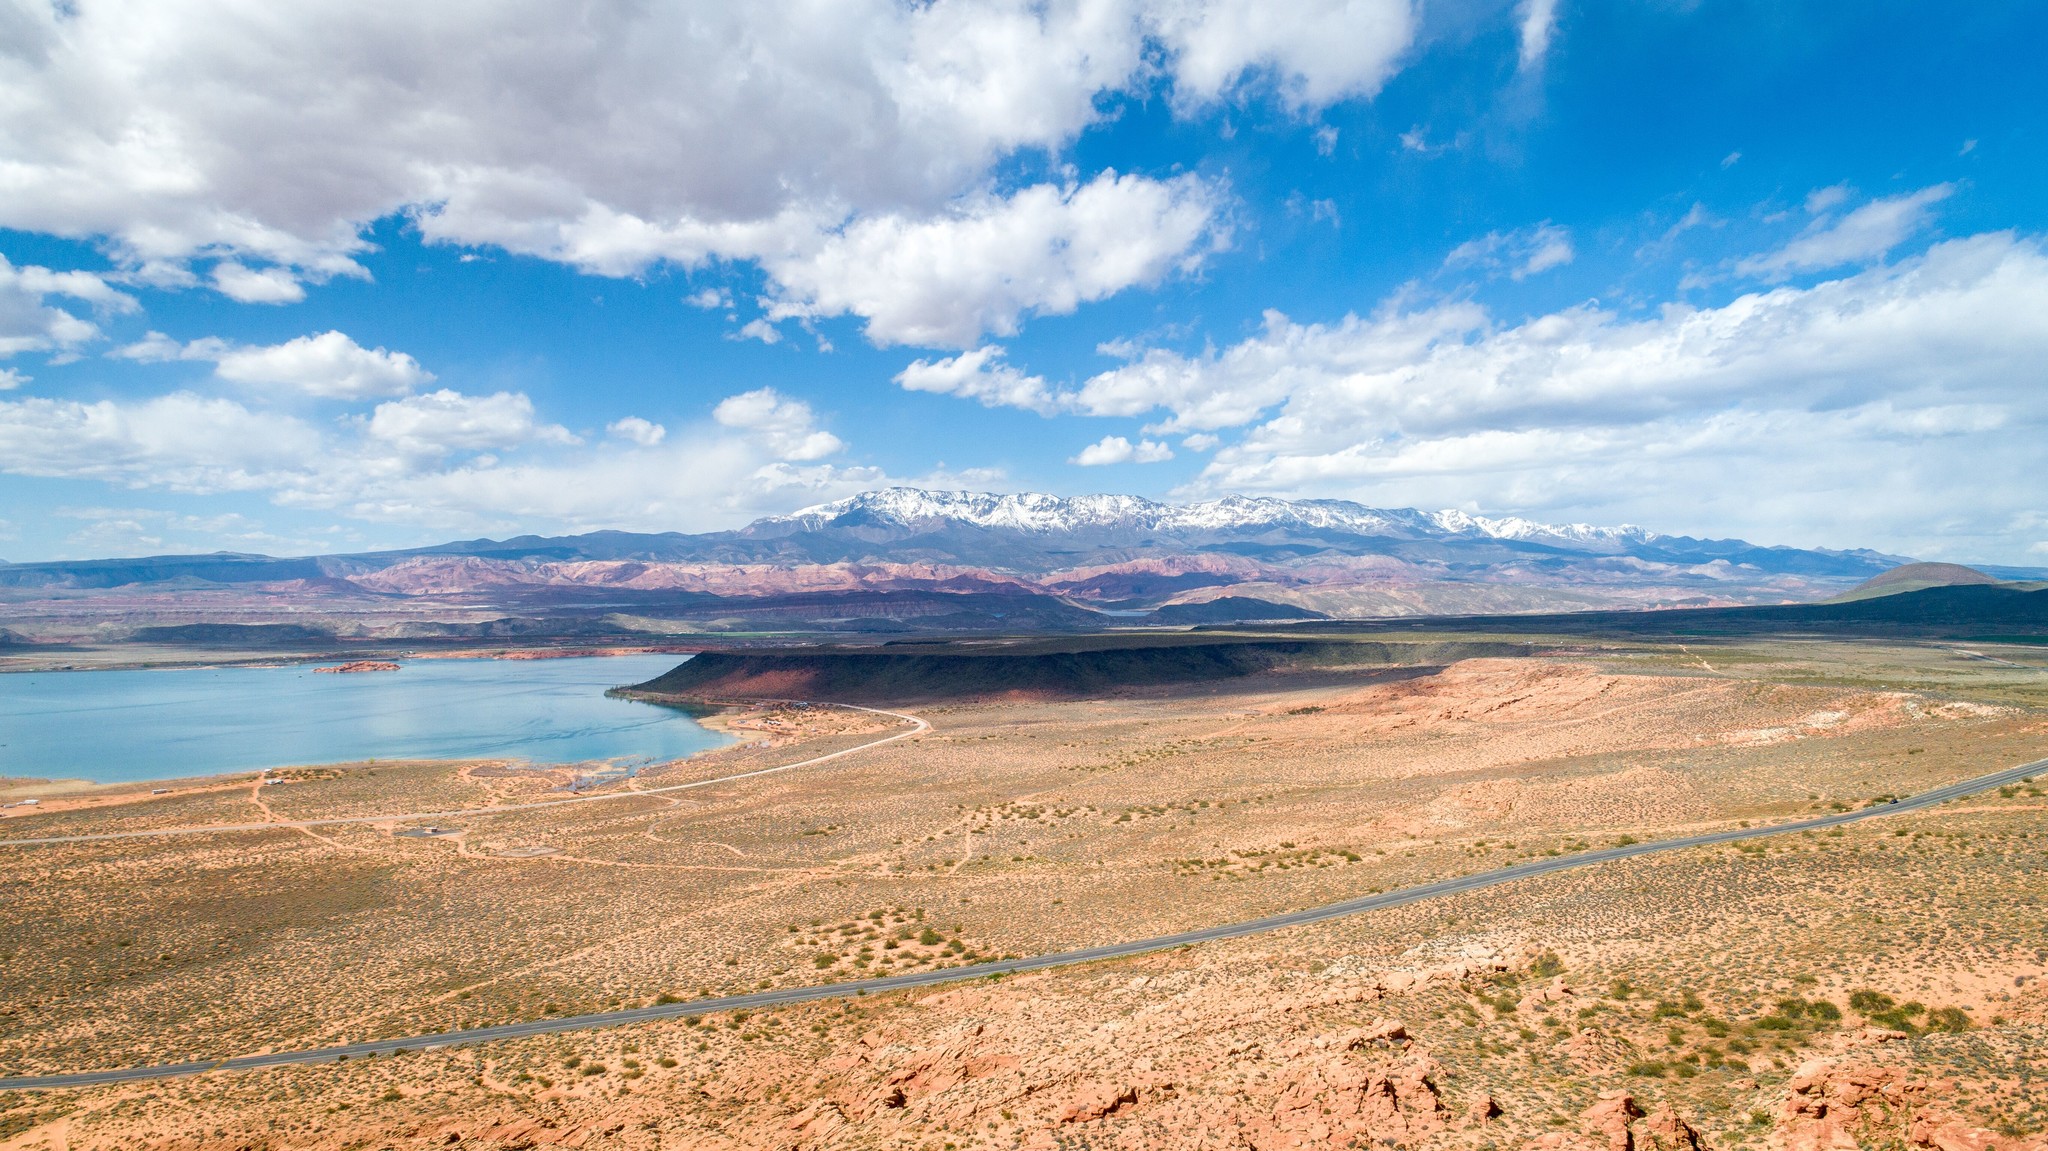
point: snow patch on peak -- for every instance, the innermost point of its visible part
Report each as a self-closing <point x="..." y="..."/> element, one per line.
<point x="1042" y="514"/>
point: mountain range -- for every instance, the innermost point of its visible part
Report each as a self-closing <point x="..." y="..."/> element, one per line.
<point x="911" y="558"/>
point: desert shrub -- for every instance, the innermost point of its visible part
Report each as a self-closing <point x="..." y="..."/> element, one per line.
<point x="1868" y="1002"/>
<point x="1546" y="966"/>
<point x="1648" y="1068"/>
<point x="1796" y="1008"/>
<point x="1948" y="1019"/>
<point x="1900" y="1017"/>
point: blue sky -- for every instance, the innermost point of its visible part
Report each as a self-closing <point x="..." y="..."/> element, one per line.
<point x="348" y="275"/>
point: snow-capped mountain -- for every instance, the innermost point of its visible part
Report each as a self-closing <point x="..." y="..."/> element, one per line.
<point x="1035" y="512"/>
<point x="891" y="553"/>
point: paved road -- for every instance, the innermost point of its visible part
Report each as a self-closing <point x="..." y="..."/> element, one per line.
<point x="789" y="995"/>
<point x="918" y="727"/>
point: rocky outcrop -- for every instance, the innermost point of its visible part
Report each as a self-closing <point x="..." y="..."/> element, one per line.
<point x="1835" y="1105"/>
<point x="1609" y="1118"/>
<point x="1616" y="1122"/>
<point x="1333" y="1102"/>
<point x="1663" y="1130"/>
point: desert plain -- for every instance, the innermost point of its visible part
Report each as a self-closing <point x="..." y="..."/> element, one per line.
<point x="1882" y="984"/>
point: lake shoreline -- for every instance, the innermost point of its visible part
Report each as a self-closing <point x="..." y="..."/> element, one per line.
<point x="88" y="733"/>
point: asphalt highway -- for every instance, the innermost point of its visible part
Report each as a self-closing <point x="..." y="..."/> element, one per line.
<point x="780" y="997"/>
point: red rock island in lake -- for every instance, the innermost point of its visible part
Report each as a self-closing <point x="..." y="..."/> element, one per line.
<point x="359" y="665"/>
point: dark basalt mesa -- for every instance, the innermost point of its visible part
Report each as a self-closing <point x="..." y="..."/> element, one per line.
<point x="1039" y="669"/>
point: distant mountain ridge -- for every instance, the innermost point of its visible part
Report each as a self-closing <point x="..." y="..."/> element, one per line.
<point x="1035" y="512"/>
<point x="876" y="560"/>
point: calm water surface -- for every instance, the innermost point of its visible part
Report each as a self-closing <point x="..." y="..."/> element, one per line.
<point x="116" y="726"/>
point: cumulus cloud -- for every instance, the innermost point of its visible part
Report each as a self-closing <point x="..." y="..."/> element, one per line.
<point x="260" y="144"/>
<point x="757" y="329"/>
<point x="11" y="379"/>
<point x="981" y="375"/>
<point x="273" y="285"/>
<point x="181" y="441"/>
<point x="440" y="422"/>
<point x="1315" y="52"/>
<point x="634" y="429"/>
<point x="1046" y="249"/>
<point x="329" y="365"/>
<point x="1518" y="254"/>
<point x="785" y="426"/>
<point x="29" y="322"/>
<point x="1862" y="410"/>
<point x="436" y="462"/>
<point x="1867" y="233"/>
<point x="1119" y="450"/>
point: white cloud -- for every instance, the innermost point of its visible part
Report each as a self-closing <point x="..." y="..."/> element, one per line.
<point x="418" y="467"/>
<point x="1826" y="199"/>
<point x="180" y="441"/>
<point x="1867" y="233"/>
<point x="944" y="281"/>
<point x="700" y="481"/>
<point x="981" y="375"/>
<point x="758" y="329"/>
<point x="785" y="426"/>
<point x="1518" y="254"/>
<point x="11" y="379"/>
<point x="329" y="365"/>
<point x="634" y="429"/>
<point x="30" y="323"/>
<point x="1538" y="25"/>
<point x="709" y="298"/>
<point x="246" y="285"/>
<point x="1118" y="450"/>
<point x="268" y="138"/>
<point x="158" y="348"/>
<point x="440" y="422"/>
<point x="1315" y="52"/>
<point x="1864" y="411"/>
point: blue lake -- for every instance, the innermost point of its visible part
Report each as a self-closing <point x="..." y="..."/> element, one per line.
<point x="119" y="726"/>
